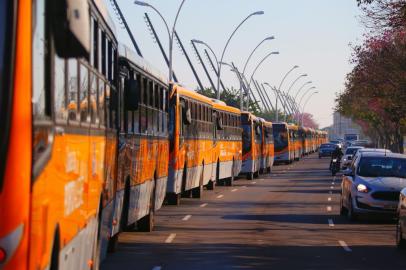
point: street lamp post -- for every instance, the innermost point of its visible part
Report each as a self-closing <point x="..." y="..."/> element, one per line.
<point x="305" y="93"/>
<point x="277" y="98"/>
<point x="293" y="83"/>
<point x="300" y="89"/>
<point x="252" y="53"/>
<point x="228" y="42"/>
<point x="280" y="85"/>
<point x="304" y="105"/>
<point x="240" y="79"/>
<point x="171" y="32"/>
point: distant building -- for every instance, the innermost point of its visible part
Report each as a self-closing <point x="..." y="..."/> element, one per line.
<point x="343" y="125"/>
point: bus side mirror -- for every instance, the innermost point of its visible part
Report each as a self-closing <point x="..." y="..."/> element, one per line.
<point x="186" y="114"/>
<point x="71" y="28"/>
<point x="219" y="123"/>
<point x="131" y="94"/>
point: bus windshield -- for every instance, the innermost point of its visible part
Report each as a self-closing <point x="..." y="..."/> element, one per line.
<point x="246" y="138"/>
<point x="280" y="134"/>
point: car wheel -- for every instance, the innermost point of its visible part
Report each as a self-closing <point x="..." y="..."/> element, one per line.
<point x="350" y="211"/>
<point x="400" y="242"/>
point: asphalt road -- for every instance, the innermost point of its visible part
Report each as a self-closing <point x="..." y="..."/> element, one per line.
<point x="287" y="220"/>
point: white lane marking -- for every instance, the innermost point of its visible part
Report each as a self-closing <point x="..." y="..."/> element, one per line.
<point x="253" y="183"/>
<point x="203" y="205"/>
<point x="328" y="208"/>
<point x="333" y="183"/>
<point x="344" y="246"/>
<point x="330" y="222"/>
<point x="331" y="187"/>
<point x="261" y="179"/>
<point x="234" y="190"/>
<point x="244" y="186"/>
<point x="329" y="199"/>
<point x="170" y="238"/>
<point x="157" y="268"/>
<point x="220" y="196"/>
<point x="186" y="218"/>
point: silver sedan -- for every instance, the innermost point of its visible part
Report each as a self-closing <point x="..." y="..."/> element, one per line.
<point x="372" y="185"/>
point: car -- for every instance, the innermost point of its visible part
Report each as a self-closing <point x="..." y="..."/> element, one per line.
<point x="401" y="221"/>
<point x="326" y="149"/>
<point x="372" y="185"/>
<point x="348" y="155"/>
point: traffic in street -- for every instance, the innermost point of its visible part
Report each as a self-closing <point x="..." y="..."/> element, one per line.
<point x="289" y="219"/>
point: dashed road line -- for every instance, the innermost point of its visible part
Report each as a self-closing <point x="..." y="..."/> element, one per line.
<point x="157" y="268"/>
<point x="170" y="238"/>
<point x="331" y="187"/>
<point x="329" y="199"/>
<point x="330" y="222"/>
<point x="344" y="246"/>
<point x="234" y="190"/>
<point x="204" y="205"/>
<point x="220" y="196"/>
<point x="244" y="186"/>
<point x="328" y="208"/>
<point x="187" y="217"/>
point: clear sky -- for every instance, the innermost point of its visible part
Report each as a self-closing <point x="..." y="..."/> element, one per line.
<point x="314" y="34"/>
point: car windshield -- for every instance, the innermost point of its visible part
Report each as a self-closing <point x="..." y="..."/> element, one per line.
<point x="328" y="146"/>
<point x="351" y="151"/>
<point x="382" y="167"/>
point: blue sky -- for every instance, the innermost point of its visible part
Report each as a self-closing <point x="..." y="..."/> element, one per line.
<point x="314" y="34"/>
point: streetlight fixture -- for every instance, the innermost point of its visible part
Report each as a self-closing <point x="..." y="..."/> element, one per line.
<point x="295" y="81"/>
<point x="300" y="89"/>
<point x="170" y="33"/>
<point x="304" y="105"/>
<point x="259" y="64"/>
<point x="240" y="79"/>
<point x="252" y="53"/>
<point x="228" y="42"/>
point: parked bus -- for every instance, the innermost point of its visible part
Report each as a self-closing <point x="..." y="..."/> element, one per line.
<point x="283" y="143"/>
<point x="251" y="145"/>
<point x="143" y="145"/>
<point x="267" y="147"/>
<point x="228" y="143"/>
<point x="59" y="97"/>
<point x="295" y="143"/>
<point x="192" y="158"/>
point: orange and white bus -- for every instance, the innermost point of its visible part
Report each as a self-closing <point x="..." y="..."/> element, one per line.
<point x="267" y="147"/>
<point x="295" y="143"/>
<point x="143" y="145"/>
<point x="283" y="143"/>
<point x="251" y="145"/>
<point x="192" y="155"/>
<point x="227" y="143"/>
<point x="59" y="128"/>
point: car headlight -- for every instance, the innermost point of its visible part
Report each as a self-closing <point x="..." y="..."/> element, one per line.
<point x="362" y="188"/>
<point x="344" y="159"/>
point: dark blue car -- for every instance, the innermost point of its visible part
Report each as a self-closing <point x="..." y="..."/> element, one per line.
<point x="326" y="149"/>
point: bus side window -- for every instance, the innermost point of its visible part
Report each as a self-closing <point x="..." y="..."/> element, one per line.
<point x="72" y="90"/>
<point x="83" y="97"/>
<point x="102" y="100"/>
<point x="93" y="97"/>
<point x="60" y="106"/>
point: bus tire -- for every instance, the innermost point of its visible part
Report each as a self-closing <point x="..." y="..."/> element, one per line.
<point x="54" y="265"/>
<point x="173" y="199"/>
<point x="229" y="182"/>
<point x="211" y="185"/>
<point x="113" y="244"/>
<point x="146" y="224"/>
<point x="256" y="174"/>
<point x="250" y="175"/>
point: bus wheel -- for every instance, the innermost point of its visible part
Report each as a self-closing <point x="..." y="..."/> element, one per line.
<point x="197" y="192"/>
<point x="250" y="175"/>
<point x="230" y="181"/>
<point x="146" y="224"/>
<point x="211" y="185"/>
<point x="173" y="199"/>
<point x="113" y="243"/>
<point x="55" y="252"/>
<point x="269" y="169"/>
<point x="256" y="174"/>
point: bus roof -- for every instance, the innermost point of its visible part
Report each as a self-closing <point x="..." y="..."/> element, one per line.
<point x="224" y="107"/>
<point x="106" y="15"/>
<point x="129" y="55"/>
<point x="192" y="94"/>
